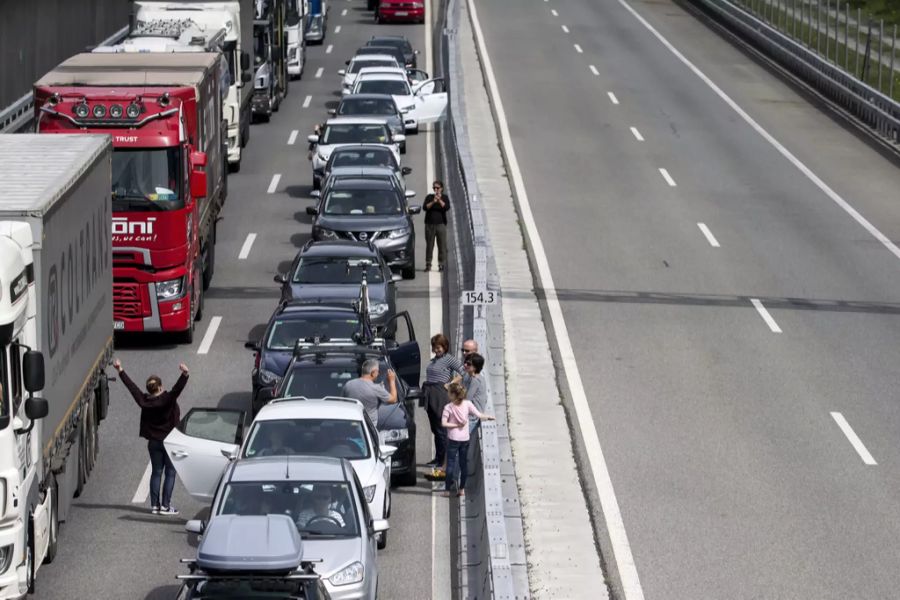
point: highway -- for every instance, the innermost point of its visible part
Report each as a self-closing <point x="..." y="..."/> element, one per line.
<point x="733" y="313"/>
<point x="111" y="546"/>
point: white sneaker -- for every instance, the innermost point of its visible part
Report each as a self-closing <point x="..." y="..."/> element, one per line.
<point x="168" y="510"/>
<point x="155" y="510"/>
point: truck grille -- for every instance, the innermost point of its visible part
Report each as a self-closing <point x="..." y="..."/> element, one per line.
<point x="127" y="300"/>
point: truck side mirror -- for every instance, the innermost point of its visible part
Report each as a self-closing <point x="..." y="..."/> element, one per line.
<point x="36" y="408"/>
<point x="245" y="61"/>
<point x="198" y="174"/>
<point x="246" y="77"/>
<point x="33" y="371"/>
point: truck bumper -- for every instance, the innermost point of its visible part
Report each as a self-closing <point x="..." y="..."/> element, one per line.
<point x="12" y="580"/>
<point x="137" y="309"/>
<point x="234" y="145"/>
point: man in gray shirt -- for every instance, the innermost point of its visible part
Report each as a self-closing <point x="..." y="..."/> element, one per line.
<point x="371" y="394"/>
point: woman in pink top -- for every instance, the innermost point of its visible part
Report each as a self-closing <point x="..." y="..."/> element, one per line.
<point x="455" y="420"/>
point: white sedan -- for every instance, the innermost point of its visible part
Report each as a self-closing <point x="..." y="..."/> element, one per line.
<point x="420" y="103"/>
<point x="361" y="61"/>
<point x="207" y="438"/>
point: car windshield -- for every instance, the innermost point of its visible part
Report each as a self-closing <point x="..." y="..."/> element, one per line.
<point x="355" y="133"/>
<point x="393" y="87"/>
<point x="147" y="179"/>
<point x="317" y="382"/>
<point x="402" y="44"/>
<point x="337" y="270"/>
<point x="368" y="106"/>
<point x="356" y="65"/>
<point x="362" y="202"/>
<point x="285" y="332"/>
<point x="248" y="589"/>
<point x="340" y="438"/>
<point x="319" y="508"/>
<point x="363" y="158"/>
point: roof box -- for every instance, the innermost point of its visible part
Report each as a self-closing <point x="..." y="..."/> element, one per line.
<point x="235" y="543"/>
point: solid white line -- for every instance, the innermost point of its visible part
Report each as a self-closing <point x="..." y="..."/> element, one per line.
<point x="337" y="29"/>
<point x="329" y="48"/>
<point x="319" y="72"/>
<point x="344" y="13"/>
<point x="709" y="235"/>
<point x="612" y="98"/>
<point x="667" y="177"/>
<point x="758" y="305"/>
<point x="609" y="505"/>
<point x="553" y="12"/>
<point x="245" y="249"/>
<point x="308" y="99"/>
<point x="637" y="134"/>
<point x="210" y="335"/>
<point x="853" y="438"/>
<point x="578" y="49"/>
<point x="293" y="137"/>
<point x="565" y="29"/>
<point x="273" y="185"/>
<point x="143" y="488"/>
<point x="834" y="196"/>
<point x="594" y="70"/>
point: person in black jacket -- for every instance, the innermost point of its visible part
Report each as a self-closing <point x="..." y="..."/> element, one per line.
<point x="436" y="206"/>
<point x="160" y="414"/>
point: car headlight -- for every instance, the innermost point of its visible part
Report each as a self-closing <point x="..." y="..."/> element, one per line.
<point x="171" y="289"/>
<point x="369" y="491"/>
<point x="267" y="377"/>
<point x="393" y="435"/>
<point x="378" y="309"/>
<point x="398" y="233"/>
<point x="408" y="108"/>
<point x="352" y="573"/>
<point x="326" y="234"/>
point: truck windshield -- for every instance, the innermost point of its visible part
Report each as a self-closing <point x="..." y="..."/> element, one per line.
<point x="260" y="52"/>
<point x="147" y="179"/>
<point x="230" y="50"/>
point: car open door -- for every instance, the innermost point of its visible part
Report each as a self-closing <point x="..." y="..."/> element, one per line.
<point x="196" y="447"/>
<point x="430" y="105"/>
<point x="404" y="352"/>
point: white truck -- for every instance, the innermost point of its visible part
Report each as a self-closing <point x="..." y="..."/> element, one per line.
<point x="295" y="27"/>
<point x="55" y="310"/>
<point x="193" y="25"/>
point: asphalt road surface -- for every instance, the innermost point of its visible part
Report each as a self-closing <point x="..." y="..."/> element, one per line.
<point x="112" y="547"/>
<point x="734" y="316"/>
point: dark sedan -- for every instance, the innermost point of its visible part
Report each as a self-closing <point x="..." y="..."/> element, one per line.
<point x="363" y="155"/>
<point x="374" y="105"/>
<point x="396" y="41"/>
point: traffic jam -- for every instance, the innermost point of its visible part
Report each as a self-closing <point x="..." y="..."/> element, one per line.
<point x="142" y="136"/>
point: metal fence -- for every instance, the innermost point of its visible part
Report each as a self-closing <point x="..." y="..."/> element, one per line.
<point x="490" y="551"/>
<point x="878" y="112"/>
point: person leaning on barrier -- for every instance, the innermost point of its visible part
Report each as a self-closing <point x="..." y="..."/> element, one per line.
<point x="438" y="373"/>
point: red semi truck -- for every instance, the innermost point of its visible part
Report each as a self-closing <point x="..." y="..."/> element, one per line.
<point x="164" y="113"/>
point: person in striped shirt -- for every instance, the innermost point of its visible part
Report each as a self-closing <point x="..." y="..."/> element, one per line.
<point x="438" y="373"/>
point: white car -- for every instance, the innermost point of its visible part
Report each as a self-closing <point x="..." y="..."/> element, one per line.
<point x="341" y="131"/>
<point x="420" y="103"/>
<point x="361" y="61"/>
<point x="201" y="446"/>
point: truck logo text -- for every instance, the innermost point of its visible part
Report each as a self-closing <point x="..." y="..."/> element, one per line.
<point x="124" y="230"/>
<point x="125" y="139"/>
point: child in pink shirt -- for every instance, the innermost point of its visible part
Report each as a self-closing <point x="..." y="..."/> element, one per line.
<point x="455" y="420"/>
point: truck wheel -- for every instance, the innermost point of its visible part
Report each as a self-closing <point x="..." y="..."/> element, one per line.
<point x="102" y="397"/>
<point x="54" y="522"/>
<point x="234" y="167"/>
<point x="199" y="314"/>
<point x="80" y="477"/>
<point x="210" y="267"/>
<point x="29" y="555"/>
<point x="187" y="336"/>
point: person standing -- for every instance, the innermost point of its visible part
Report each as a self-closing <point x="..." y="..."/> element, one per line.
<point x="473" y="363"/>
<point x="436" y="206"/>
<point x="160" y="414"/>
<point x="371" y="394"/>
<point x="438" y="373"/>
<point x="455" y="419"/>
<point x="468" y="347"/>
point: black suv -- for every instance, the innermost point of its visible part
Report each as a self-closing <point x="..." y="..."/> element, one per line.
<point x="369" y="209"/>
<point x="331" y="272"/>
<point x="397" y="41"/>
<point x="293" y="321"/>
<point x="320" y="370"/>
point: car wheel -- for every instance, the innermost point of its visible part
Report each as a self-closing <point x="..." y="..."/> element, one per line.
<point x="407" y="479"/>
<point x="409" y="272"/>
<point x="317" y="183"/>
<point x="381" y="540"/>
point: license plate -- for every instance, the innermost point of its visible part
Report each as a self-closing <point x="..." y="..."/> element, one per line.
<point x="401" y="13"/>
<point x="118" y="324"/>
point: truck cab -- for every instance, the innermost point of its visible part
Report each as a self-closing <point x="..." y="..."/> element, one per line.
<point x="270" y="81"/>
<point x="295" y="26"/>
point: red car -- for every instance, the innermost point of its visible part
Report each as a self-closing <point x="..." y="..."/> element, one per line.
<point x="400" y="10"/>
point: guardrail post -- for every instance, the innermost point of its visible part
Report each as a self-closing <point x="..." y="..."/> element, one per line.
<point x="827" y="31"/>
<point x="847" y="36"/>
<point x="880" y="52"/>
<point x="893" y="51"/>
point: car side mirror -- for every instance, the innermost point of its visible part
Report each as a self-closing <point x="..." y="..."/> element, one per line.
<point x="280" y="278"/>
<point x="342" y="72"/>
<point x="379" y="525"/>
<point x="315" y="194"/>
<point x="387" y="450"/>
<point x="36" y="408"/>
<point x="33" y="370"/>
<point x="230" y="454"/>
<point x="414" y="210"/>
<point x="198" y="174"/>
<point x="406" y="170"/>
<point x="250" y="345"/>
<point x="332" y="111"/>
<point x="245" y="61"/>
<point x="346" y="62"/>
<point x="195" y="526"/>
<point x="414" y="393"/>
<point x="312" y="139"/>
<point x="399" y="138"/>
<point x="312" y="211"/>
<point x="410" y="194"/>
<point x="395" y="277"/>
<point x="415" y="51"/>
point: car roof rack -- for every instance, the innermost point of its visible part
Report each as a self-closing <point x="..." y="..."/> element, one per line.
<point x="320" y="347"/>
<point x="323" y="398"/>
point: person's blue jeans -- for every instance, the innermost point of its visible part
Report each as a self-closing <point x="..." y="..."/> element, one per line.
<point x="159" y="463"/>
<point x="457" y="464"/>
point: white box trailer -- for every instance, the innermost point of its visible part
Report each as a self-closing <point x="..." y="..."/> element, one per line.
<point x="56" y="337"/>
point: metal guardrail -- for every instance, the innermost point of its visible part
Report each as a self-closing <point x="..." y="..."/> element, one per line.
<point x="868" y="105"/>
<point x="491" y="550"/>
<point x="18" y="115"/>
